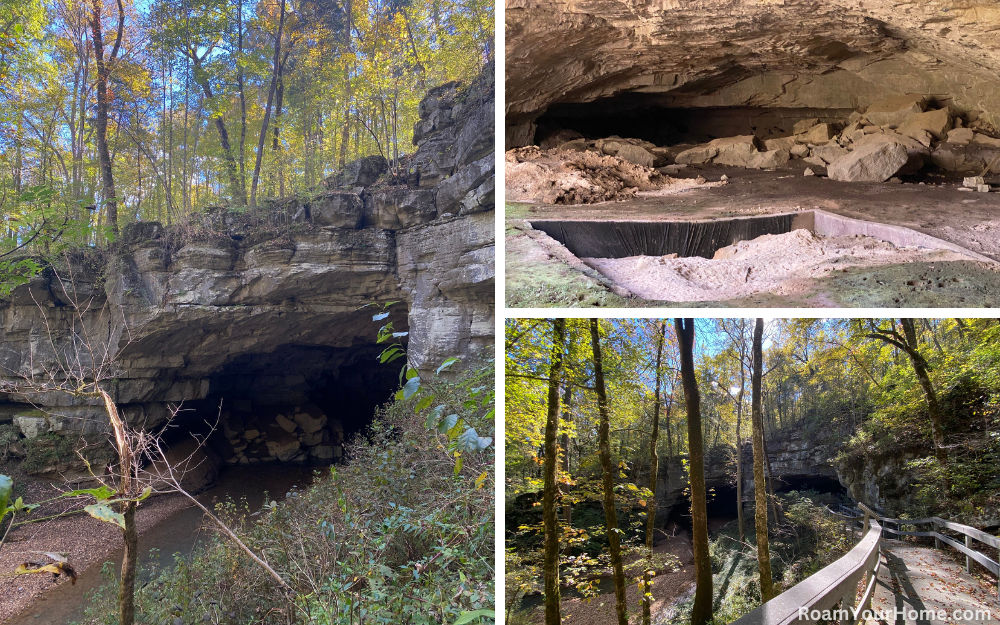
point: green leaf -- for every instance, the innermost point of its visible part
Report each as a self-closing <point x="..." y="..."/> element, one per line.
<point x="447" y="423"/>
<point x="468" y="617"/>
<point x="423" y="403"/>
<point x="412" y="386"/>
<point x="469" y="440"/>
<point x="411" y="373"/>
<point x="102" y="493"/>
<point x="106" y="514"/>
<point x="146" y="492"/>
<point x="458" y="465"/>
<point x="446" y="364"/>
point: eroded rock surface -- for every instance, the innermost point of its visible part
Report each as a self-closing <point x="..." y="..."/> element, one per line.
<point x="797" y="54"/>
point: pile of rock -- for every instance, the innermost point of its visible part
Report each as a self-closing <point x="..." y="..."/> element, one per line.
<point x="898" y="136"/>
<point x="300" y="435"/>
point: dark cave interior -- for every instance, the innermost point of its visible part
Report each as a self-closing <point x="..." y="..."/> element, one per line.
<point x="296" y="404"/>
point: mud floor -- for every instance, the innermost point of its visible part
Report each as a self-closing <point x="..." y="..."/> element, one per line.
<point x="539" y="273"/>
<point x="780" y="264"/>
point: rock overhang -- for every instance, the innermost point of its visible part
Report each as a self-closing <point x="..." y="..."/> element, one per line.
<point x="783" y="53"/>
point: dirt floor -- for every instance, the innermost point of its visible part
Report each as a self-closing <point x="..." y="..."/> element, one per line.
<point x="85" y="540"/>
<point x="541" y="272"/>
<point x="667" y="588"/>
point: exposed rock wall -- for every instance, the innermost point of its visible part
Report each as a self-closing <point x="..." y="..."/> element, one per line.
<point x="824" y="54"/>
<point x="183" y="304"/>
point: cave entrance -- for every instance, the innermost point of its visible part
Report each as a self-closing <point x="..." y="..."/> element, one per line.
<point x="631" y="115"/>
<point x="819" y="484"/>
<point x="297" y="404"/>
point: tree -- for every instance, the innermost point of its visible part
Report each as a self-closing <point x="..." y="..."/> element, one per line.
<point x="908" y="343"/>
<point x="701" y="612"/>
<point x="104" y="67"/>
<point x="610" y="514"/>
<point x="267" y="111"/>
<point x="654" y="464"/>
<point x="549" y="520"/>
<point x="760" y="492"/>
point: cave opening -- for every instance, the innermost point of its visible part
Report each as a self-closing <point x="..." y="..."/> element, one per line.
<point x="635" y="116"/>
<point x="297" y="404"/>
<point x="819" y="484"/>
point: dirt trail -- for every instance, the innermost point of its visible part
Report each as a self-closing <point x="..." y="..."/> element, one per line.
<point x="667" y="587"/>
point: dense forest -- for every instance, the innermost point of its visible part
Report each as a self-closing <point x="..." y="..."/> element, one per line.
<point x="602" y="463"/>
<point x="114" y="111"/>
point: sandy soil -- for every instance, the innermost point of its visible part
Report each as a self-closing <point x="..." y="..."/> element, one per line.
<point x="562" y="177"/>
<point x="84" y="539"/>
<point x="667" y="587"/>
<point x="778" y="264"/>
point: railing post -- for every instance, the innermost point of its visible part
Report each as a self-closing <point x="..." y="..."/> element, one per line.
<point x="847" y="604"/>
<point x="864" y="531"/>
<point x="968" y="560"/>
<point x="937" y="541"/>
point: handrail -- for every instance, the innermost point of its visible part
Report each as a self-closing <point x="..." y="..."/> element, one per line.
<point x="970" y="534"/>
<point x="821" y="591"/>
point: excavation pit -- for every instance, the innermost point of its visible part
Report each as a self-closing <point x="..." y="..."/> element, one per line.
<point x="721" y="259"/>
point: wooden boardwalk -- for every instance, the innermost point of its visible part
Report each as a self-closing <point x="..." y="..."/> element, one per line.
<point x="916" y="579"/>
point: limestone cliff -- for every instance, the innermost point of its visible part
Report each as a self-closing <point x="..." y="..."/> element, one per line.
<point x="269" y="307"/>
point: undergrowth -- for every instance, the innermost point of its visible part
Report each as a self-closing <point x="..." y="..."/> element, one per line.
<point x="395" y="536"/>
<point x="805" y="541"/>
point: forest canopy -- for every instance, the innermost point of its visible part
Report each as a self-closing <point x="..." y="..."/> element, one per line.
<point x="113" y="111"/>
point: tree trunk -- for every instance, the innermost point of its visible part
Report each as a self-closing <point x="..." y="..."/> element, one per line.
<point x="701" y="613"/>
<point x="654" y="465"/>
<point x="610" y="514"/>
<point x="739" y="459"/>
<point x="567" y="506"/>
<point x="345" y="132"/>
<point x="920" y="369"/>
<point x="267" y="109"/>
<point x="760" y="513"/>
<point x="549" y="520"/>
<point x="243" y="104"/>
<point x="104" y="104"/>
<point x="126" y="592"/>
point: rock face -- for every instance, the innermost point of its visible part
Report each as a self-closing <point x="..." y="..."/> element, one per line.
<point x="841" y="54"/>
<point x="797" y="462"/>
<point x="227" y="309"/>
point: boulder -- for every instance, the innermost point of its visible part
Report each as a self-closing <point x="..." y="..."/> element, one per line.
<point x="577" y="145"/>
<point x="817" y="135"/>
<point x="322" y="452"/>
<point x="637" y="155"/>
<point x="769" y="159"/>
<point x="310" y="418"/>
<point x="281" y="444"/>
<point x="915" y="151"/>
<point x="828" y="153"/>
<point x="697" y="155"/>
<point x="338" y="209"/>
<point x="894" y="111"/>
<point x="804" y="125"/>
<point x="781" y="143"/>
<point x="874" y="162"/>
<point x="559" y="137"/>
<point x="985" y="140"/>
<point x="815" y="161"/>
<point x="286" y="424"/>
<point x="735" y="151"/>
<point x="961" y="136"/>
<point x="396" y="208"/>
<point x="948" y="159"/>
<point x="32" y="426"/>
<point x="799" y="150"/>
<point x="936" y="123"/>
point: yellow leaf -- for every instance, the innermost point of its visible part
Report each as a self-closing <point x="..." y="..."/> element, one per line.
<point x="481" y="479"/>
<point x="642" y="502"/>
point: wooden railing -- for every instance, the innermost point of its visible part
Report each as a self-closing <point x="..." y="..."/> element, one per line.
<point x="823" y="590"/>
<point x="933" y="524"/>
